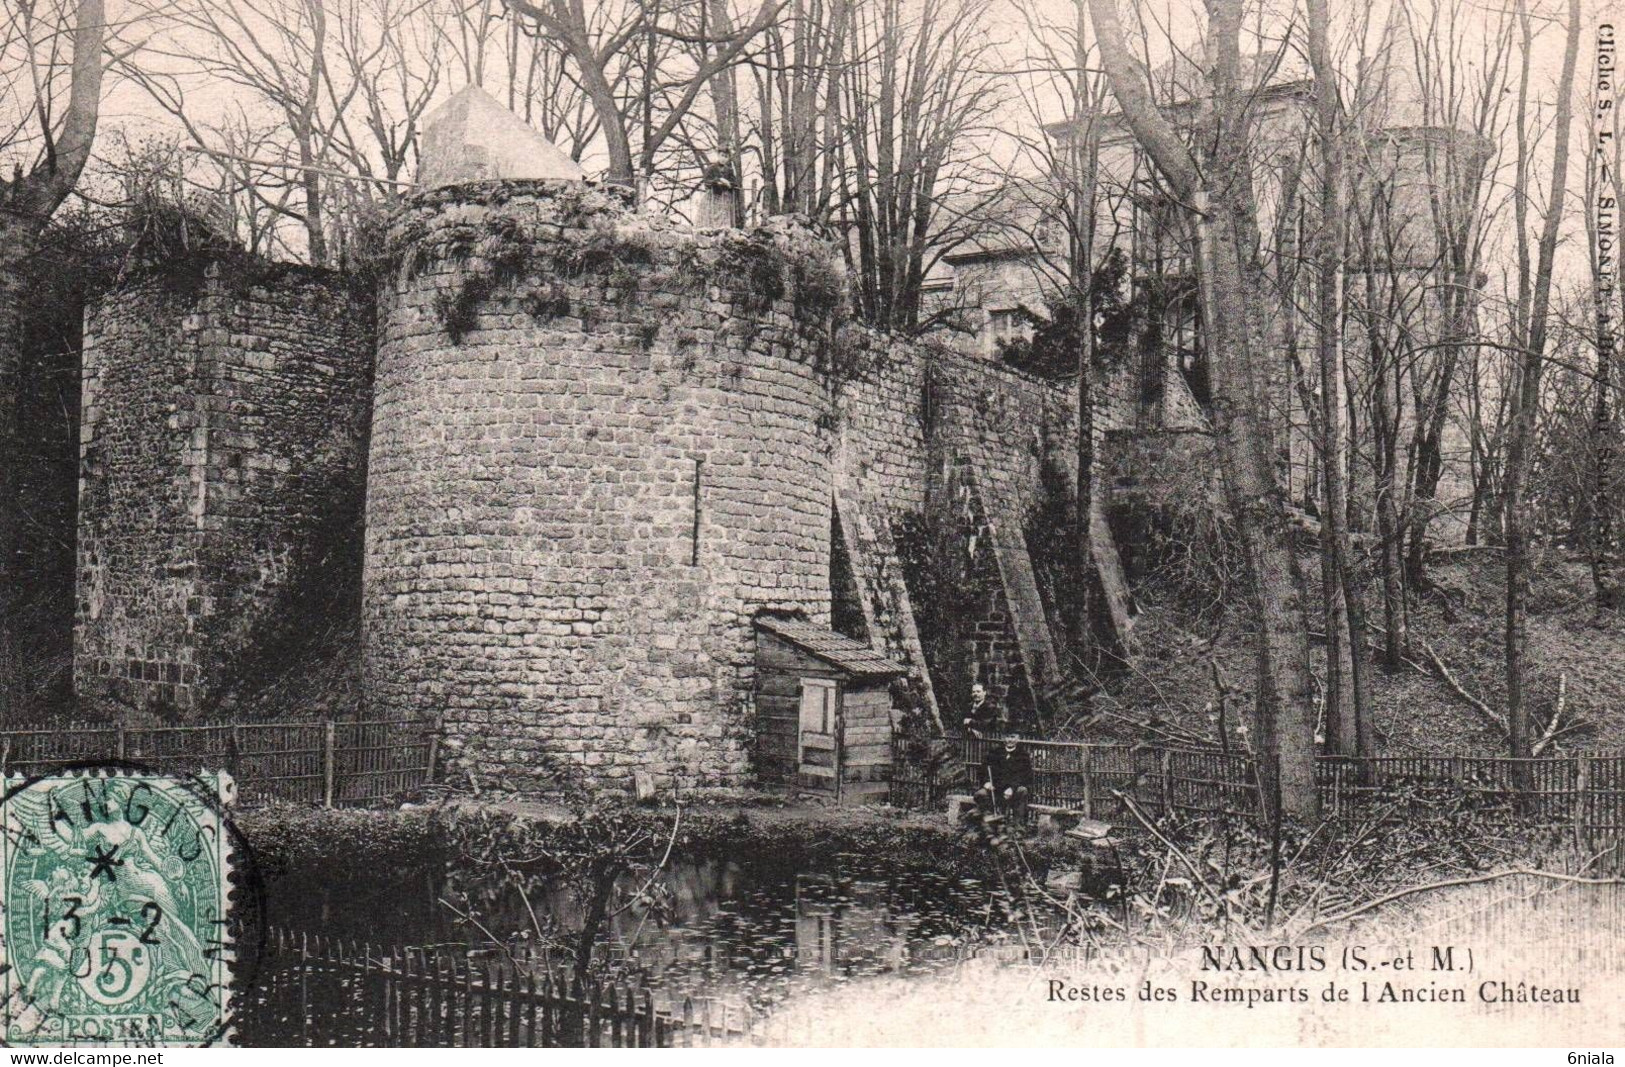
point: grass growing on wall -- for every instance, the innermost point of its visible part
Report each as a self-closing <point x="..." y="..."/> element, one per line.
<point x="501" y="236"/>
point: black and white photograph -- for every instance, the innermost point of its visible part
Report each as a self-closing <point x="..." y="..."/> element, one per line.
<point x="791" y="524"/>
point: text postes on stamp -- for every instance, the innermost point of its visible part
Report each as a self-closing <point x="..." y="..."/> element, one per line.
<point x="115" y="892"/>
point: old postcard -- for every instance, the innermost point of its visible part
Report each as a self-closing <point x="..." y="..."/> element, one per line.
<point x="784" y="523"/>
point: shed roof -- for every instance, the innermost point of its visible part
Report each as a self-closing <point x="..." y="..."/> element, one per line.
<point x="837" y="650"/>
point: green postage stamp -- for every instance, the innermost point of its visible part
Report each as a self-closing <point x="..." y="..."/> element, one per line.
<point x="115" y="895"/>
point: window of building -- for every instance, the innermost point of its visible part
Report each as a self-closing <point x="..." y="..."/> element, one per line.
<point x="817" y="706"/>
<point x="1185" y="338"/>
<point x="1008" y="324"/>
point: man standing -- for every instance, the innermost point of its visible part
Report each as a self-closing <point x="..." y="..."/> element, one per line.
<point x="984" y="719"/>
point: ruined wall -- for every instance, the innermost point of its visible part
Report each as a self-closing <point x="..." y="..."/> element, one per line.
<point x="880" y="477"/>
<point x="596" y="446"/>
<point x="923" y="425"/>
<point x="224" y="411"/>
<point x="600" y="446"/>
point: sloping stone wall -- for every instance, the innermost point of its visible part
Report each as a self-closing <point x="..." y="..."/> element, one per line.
<point x="911" y="412"/>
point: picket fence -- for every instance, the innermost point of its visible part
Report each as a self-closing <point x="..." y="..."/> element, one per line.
<point x="318" y="761"/>
<point x="311" y="990"/>
<point x="1582" y="793"/>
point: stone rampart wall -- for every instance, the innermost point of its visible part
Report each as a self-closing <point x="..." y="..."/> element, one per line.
<point x="578" y="502"/>
<point x="224" y="418"/>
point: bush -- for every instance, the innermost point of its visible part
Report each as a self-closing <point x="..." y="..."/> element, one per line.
<point x="344" y="845"/>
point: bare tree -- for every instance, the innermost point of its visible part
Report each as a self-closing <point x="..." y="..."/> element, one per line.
<point x="484" y="45"/>
<point x="1069" y="228"/>
<point x="1466" y="94"/>
<point x="277" y="54"/>
<point x="51" y="84"/>
<point x="639" y="34"/>
<point x="799" y="125"/>
<point x="385" y="69"/>
<point x="918" y="97"/>
<point x="1532" y="319"/>
<point x="1601" y="516"/>
<point x="1348" y="724"/>
<point x="325" y="124"/>
<point x="1218" y="195"/>
<point x="468" y="28"/>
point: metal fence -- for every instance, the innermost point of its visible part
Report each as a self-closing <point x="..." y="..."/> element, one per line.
<point x="1585" y="792"/>
<point x="311" y="990"/>
<point x="319" y="761"/>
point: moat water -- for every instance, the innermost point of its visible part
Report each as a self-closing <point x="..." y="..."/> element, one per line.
<point x="737" y="940"/>
<point x="751" y="948"/>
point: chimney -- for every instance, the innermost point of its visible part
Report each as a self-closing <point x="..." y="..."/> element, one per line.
<point x="719" y="198"/>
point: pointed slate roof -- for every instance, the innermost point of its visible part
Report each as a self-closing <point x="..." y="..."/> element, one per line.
<point x="472" y="138"/>
<point x="1398" y="71"/>
<point x="838" y="650"/>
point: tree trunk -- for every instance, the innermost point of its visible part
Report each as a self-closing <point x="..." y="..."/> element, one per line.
<point x="1345" y="709"/>
<point x="1224" y="216"/>
<point x="1285" y="716"/>
<point x="16" y="244"/>
<point x="1428" y="467"/>
<point x="1604" y="540"/>
<point x="1520" y="447"/>
<point x="27" y="203"/>
<point x="1386" y="440"/>
<point x="600" y="884"/>
<point x="1087" y="160"/>
<point x="1083" y="505"/>
<point x="725" y="107"/>
<point x="617" y="145"/>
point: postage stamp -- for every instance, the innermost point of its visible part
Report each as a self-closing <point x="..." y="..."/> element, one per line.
<point x="115" y="895"/>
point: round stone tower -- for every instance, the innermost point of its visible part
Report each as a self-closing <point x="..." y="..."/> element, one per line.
<point x="1419" y="169"/>
<point x="600" y="445"/>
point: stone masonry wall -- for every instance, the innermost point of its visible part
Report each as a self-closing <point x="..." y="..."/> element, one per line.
<point x="577" y="503"/>
<point x="1007" y="428"/>
<point x="137" y="583"/>
<point x="598" y="446"/>
<point x="224" y="413"/>
<point x="911" y="413"/>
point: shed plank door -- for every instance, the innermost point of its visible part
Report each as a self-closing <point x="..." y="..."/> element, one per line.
<point x="818" y="755"/>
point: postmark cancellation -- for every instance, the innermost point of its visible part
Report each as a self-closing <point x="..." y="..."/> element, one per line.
<point x="115" y="894"/>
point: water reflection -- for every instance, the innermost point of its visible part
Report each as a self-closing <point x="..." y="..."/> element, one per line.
<point x="756" y="938"/>
<point x="739" y="935"/>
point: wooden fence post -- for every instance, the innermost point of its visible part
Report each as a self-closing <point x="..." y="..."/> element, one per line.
<point x="329" y="769"/>
<point x="1088" y="785"/>
<point x="1167" y="781"/>
<point x="121" y="742"/>
<point x="434" y="747"/>
<point x="1582" y="799"/>
<point x="304" y="987"/>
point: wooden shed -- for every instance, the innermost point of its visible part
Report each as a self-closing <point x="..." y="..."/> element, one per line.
<point x="823" y="711"/>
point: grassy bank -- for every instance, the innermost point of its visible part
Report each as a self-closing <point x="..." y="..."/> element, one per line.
<point x="1172" y="688"/>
